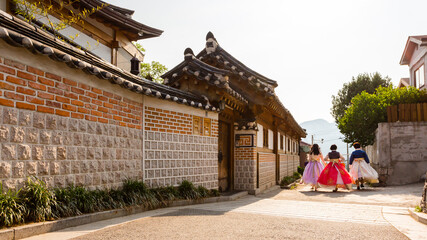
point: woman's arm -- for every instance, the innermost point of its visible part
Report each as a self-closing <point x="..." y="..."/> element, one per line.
<point x="326" y="158"/>
<point x="321" y="158"/>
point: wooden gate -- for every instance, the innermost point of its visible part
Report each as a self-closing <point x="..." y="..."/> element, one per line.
<point x="224" y="157"/>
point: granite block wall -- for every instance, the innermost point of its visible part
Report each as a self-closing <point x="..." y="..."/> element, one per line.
<point x="65" y="151"/>
<point x="171" y="158"/>
<point x="267" y="170"/>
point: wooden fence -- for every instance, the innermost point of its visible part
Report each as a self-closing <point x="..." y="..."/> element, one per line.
<point x="411" y="112"/>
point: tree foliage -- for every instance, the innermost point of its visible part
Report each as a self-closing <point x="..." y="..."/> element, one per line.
<point x="54" y="16"/>
<point x="363" y="82"/>
<point x="367" y="110"/>
<point x="153" y="70"/>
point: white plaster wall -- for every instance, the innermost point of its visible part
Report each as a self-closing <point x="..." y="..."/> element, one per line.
<point x="3" y="5"/>
<point x="259" y="142"/>
<point x="89" y="43"/>
<point x="173" y="106"/>
<point x="270" y="139"/>
<point x="418" y="58"/>
<point x="84" y="40"/>
<point x="123" y="59"/>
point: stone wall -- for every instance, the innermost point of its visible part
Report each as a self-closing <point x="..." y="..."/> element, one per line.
<point x="245" y="161"/>
<point x="67" y="127"/>
<point x="267" y="170"/>
<point x="170" y="158"/>
<point x="400" y="152"/>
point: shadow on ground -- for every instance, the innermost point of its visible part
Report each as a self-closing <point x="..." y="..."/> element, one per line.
<point x="401" y="196"/>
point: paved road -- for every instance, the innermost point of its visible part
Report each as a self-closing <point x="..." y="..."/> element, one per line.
<point x="287" y="214"/>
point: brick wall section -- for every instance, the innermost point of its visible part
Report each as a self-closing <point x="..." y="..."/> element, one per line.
<point x="29" y="88"/>
<point x="63" y="150"/>
<point x="245" y="168"/>
<point x="159" y="120"/>
<point x="267" y="170"/>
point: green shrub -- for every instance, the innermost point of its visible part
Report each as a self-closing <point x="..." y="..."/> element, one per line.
<point x="12" y="211"/>
<point x="286" y="181"/>
<point x="137" y="193"/>
<point x="300" y="170"/>
<point x="39" y="200"/>
<point x="296" y="175"/>
<point x="188" y="191"/>
<point x="166" y="194"/>
<point x="35" y="202"/>
<point x="117" y="197"/>
<point x="418" y="209"/>
<point x="214" y="193"/>
<point x="203" y="192"/>
<point x="67" y="205"/>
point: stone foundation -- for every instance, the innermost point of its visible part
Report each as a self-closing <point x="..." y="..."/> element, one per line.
<point x="65" y="151"/>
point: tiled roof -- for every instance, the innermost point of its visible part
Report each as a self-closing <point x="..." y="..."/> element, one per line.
<point x="203" y="72"/>
<point x="18" y="33"/>
<point x="121" y="18"/>
<point x="254" y="79"/>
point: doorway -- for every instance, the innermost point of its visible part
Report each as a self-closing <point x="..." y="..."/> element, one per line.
<point x="224" y="157"/>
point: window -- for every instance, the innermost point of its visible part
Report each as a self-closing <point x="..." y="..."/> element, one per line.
<point x="197" y="125"/>
<point x="289" y="145"/>
<point x="281" y="141"/>
<point x="265" y="137"/>
<point x="419" y="77"/>
<point x="201" y="126"/>
<point x="206" y="126"/>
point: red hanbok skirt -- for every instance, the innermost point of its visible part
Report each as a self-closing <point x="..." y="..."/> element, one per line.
<point x="335" y="174"/>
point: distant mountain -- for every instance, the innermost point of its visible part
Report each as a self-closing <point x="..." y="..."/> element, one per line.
<point x="321" y="129"/>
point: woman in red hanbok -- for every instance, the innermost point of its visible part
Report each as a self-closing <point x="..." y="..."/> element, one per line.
<point x="334" y="175"/>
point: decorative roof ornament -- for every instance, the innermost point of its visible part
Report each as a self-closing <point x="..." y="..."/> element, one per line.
<point x="211" y="43"/>
<point x="188" y="54"/>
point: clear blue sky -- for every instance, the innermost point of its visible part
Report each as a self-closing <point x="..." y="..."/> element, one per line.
<point x="311" y="48"/>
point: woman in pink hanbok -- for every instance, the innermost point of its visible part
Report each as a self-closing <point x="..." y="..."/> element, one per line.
<point x="314" y="167"/>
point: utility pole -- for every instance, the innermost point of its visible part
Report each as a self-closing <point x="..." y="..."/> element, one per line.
<point x="348" y="167"/>
<point x="312" y="139"/>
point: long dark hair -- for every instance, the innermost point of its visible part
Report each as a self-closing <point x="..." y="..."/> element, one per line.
<point x="315" y="149"/>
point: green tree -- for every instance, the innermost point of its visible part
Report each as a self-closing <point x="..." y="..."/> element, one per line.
<point x="367" y="110"/>
<point x="54" y="16"/>
<point x="363" y="82"/>
<point x="151" y="71"/>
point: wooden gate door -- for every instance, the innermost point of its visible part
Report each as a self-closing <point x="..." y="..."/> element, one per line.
<point x="224" y="157"/>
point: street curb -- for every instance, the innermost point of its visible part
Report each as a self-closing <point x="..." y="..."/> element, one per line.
<point x="420" y="217"/>
<point x="33" y="229"/>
